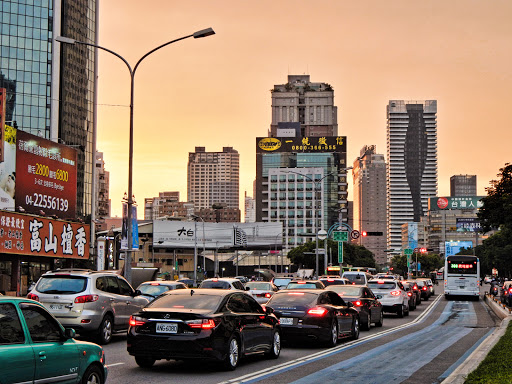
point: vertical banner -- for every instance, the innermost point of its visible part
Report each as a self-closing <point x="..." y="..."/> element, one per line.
<point x="124" y="228"/>
<point x="101" y="254"/>
<point x="135" y="228"/>
<point x="3" y="100"/>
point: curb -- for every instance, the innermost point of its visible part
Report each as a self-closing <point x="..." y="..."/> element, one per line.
<point x="459" y="375"/>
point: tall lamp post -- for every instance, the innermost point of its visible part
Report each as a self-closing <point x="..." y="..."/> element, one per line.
<point x="67" y="40"/>
<point x="195" y="217"/>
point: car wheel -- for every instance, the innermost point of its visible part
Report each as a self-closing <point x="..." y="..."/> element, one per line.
<point x="93" y="375"/>
<point x="367" y="325"/>
<point x="275" y="349"/>
<point x="381" y="320"/>
<point x="144" y="362"/>
<point x="104" y="335"/>
<point x="400" y="311"/>
<point x="406" y="310"/>
<point x="355" y="329"/>
<point x="333" y="340"/>
<point x="233" y="355"/>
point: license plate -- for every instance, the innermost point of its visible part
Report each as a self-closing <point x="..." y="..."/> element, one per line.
<point x="286" y="320"/>
<point x="166" y="328"/>
<point x="56" y="306"/>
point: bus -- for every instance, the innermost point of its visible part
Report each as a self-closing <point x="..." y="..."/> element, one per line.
<point x="462" y="276"/>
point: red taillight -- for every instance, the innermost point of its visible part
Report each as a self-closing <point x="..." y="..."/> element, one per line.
<point x="424" y="288"/>
<point x="31" y="296"/>
<point x="510" y="291"/>
<point x="154" y="284"/>
<point x="268" y="295"/>
<point x="86" y="299"/>
<point x="395" y="293"/>
<point x="317" y="311"/>
<point x="202" y="323"/>
<point x="136" y="321"/>
<point x="409" y="294"/>
<point x="357" y="303"/>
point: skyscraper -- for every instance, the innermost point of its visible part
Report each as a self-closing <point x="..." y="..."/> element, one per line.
<point x="412" y="163"/>
<point x="369" y="193"/>
<point x="463" y="185"/>
<point x="102" y="191"/>
<point x="51" y="88"/>
<point x="213" y="178"/>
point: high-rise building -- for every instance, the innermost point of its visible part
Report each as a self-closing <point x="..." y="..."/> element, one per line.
<point x="166" y="204"/>
<point x="102" y="191"/>
<point x="369" y="210"/>
<point x="249" y="209"/>
<point x="412" y="164"/>
<point x="51" y="87"/>
<point x="213" y="178"/>
<point x="309" y="105"/>
<point x="463" y="185"/>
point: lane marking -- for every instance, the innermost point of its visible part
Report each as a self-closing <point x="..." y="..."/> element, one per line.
<point x="114" y="364"/>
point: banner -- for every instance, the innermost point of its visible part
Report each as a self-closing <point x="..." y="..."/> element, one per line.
<point x="462" y="202"/>
<point x="124" y="228"/>
<point x="468" y="224"/>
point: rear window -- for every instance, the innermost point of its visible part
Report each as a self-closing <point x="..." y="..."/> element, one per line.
<point x="357" y="278"/>
<point x="328" y="282"/>
<point x="262" y="286"/>
<point x="301" y="286"/>
<point x="64" y="285"/>
<point x="292" y="299"/>
<point x="347" y="290"/>
<point x="377" y="285"/>
<point x="215" y="285"/>
<point x="152" y="290"/>
<point x="281" y="282"/>
<point x="194" y="301"/>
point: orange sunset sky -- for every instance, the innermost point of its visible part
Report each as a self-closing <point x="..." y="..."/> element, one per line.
<point x="215" y="91"/>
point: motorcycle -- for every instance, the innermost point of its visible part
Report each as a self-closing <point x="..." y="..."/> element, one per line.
<point x="494" y="290"/>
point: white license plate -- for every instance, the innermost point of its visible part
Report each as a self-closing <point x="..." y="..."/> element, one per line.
<point x="286" y="320"/>
<point x="56" y="306"/>
<point x="166" y="328"/>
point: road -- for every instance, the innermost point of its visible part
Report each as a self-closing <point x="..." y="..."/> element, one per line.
<point x="424" y="347"/>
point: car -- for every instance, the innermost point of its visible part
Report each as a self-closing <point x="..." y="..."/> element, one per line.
<point x="314" y="314"/>
<point x="430" y="286"/>
<point x="357" y="277"/>
<point x="188" y="282"/>
<point x="412" y="295"/>
<point x="206" y="324"/>
<point x="385" y="276"/>
<point x="365" y="302"/>
<point x="305" y="284"/>
<point x="424" y="288"/>
<point x="243" y="279"/>
<point x="334" y="281"/>
<point x="261" y="290"/>
<point x="222" y="283"/>
<point x="36" y="348"/>
<point x="416" y="290"/>
<point x="281" y="282"/>
<point x="487" y="279"/>
<point x="94" y="303"/>
<point x="392" y="295"/>
<point x="152" y="289"/>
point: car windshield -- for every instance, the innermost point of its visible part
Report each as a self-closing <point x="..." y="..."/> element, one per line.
<point x="281" y="282"/>
<point x="215" y="284"/>
<point x="152" y="290"/>
<point x="355" y="278"/>
<point x="292" y="299"/>
<point x="347" y="290"/>
<point x="194" y="300"/>
<point x="332" y="282"/>
<point x="62" y="284"/>
<point x="301" y="286"/>
<point x="381" y="285"/>
<point x="262" y="286"/>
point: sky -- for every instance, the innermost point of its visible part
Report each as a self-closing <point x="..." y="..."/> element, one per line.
<point x="215" y="91"/>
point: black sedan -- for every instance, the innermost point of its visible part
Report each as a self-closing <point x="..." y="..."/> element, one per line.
<point x="369" y="308"/>
<point x="210" y="324"/>
<point x="314" y="314"/>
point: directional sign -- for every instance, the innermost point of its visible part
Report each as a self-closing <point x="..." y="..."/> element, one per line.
<point x="340" y="252"/>
<point x="340" y="236"/>
<point x="408" y="251"/>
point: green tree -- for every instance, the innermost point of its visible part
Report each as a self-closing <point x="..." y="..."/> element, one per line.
<point x="497" y="205"/>
<point x="430" y="262"/>
<point x="496" y="252"/>
<point x="399" y="264"/>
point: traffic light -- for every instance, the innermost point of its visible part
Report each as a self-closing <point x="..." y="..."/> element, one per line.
<point x="423" y="250"/>
<point x="366" y="233"/>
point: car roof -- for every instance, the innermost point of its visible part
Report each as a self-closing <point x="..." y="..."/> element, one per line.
<point x="228" y="279"/>
<point x="162" y="282"/>
<point x="204" y="291"/>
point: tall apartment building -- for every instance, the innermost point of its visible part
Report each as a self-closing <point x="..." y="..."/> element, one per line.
<point x="309" y="104"/>
<point x="51" y="88"/>
<point x="463" y="185"/>
<point x="412" y="163"/>
<point x="166" y="204"/>
<point x="369" y="193"/>
<point x="213" y="178"/>
<point x="249" y="209"/>
<point x="102" y="191"/>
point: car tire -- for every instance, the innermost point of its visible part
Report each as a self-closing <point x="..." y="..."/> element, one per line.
<point x="406" y="310"/>
<point x="400" y="311"/>
<point x="104" y="334"/>
<point x="333" y="334"/>
<point x="93" y="375"/>
<point x="233" y="354"/>
<point x="355" y="329"/>
<point x="368" y="324"/>
<point x="275" y="349"/>
<point x="144" y="362"/>
<point x="381" y="320"/>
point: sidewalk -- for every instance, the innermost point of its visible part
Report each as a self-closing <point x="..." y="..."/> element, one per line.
<point x="471" y="363"/>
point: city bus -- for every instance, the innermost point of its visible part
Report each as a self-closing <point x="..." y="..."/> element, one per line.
<point x="462" y="276"/>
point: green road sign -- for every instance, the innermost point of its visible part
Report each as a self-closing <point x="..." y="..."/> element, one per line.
<point x="340" y="236"/>
<point x="340" y="252"/>
<point x="408" y="251"/>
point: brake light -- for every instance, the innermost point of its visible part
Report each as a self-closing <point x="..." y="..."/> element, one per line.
<point x="395" y="293"/>
<point x="268" y="295"/>
<point x="154" y="284"/>
<point x="357" y="303"/>
<point x="86" y="299"/>
<point x="31" y="296"/>
<point x="136" y="321"/>
<point x="424" y="288"/>
<point x="510" y="291"/>
<point x="409" y="294"/>
<point x="296" y="293"/>
<point x="201" y="323"/>
<point x="317" y="311"/>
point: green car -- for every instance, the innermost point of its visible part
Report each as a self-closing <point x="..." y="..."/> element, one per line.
<point x="35" y="347"/>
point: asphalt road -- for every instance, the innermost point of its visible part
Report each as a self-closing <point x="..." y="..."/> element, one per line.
<point x="424" y="347"/>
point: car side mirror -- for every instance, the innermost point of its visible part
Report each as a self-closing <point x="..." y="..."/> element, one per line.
<point x="247" y="288"/>
<point x="69" y="333"/>
<point x="350" y="304"/>
<point x="137" y="293"/>
<point x="268" y="310"/>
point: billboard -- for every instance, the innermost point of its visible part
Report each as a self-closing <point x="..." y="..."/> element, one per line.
<point x="39" y="236"/>
<point x="453" y="247"/>
<point x="454" y="202"/>
<point x="468" y="224"/>
<point x="181" y="234"/>
<point x="301" y="144"/>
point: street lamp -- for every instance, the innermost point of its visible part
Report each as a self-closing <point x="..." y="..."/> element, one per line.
<point x="66" y="40"/>
<point x="195" y="217"/>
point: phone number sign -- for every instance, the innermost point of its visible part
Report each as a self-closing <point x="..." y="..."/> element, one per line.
<point x="46" y="176"/>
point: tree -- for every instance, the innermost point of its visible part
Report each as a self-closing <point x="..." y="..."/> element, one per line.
<point x="497" y="205"/>
<point x="495" y="252"/>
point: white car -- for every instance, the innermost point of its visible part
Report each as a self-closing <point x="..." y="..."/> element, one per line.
<point x="262" y="291"/>
<point x="392" y="295"/>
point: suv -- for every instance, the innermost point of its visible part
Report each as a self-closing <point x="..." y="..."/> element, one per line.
<point x="95" y="303"/>
<point x="392" y="295"/>
<point x="222" y="283"/>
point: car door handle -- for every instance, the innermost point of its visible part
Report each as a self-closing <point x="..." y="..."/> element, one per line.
<point x="42" y="355"/>
<point x="111" y="299"/>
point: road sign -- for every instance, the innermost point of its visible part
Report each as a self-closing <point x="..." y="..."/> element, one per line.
<point x="340" y="252"/>
<point x="408" y="251"/>
<point x="340" y="236"/>
<point x="354" y="234"/>
<point x="416" y="250"/>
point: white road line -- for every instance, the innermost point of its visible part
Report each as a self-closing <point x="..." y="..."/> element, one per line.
<point x="113" y="365"/>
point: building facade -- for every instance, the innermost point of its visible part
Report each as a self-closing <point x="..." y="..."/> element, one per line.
<point x="412" y="164"/>
<point x="213" y="178"/>
<point x="249" y="209"/>
<point x="102" y="192"/>
<point x="463" y="185"/>
<point x="369" y="192"/>
<point x="167" y="204"/>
